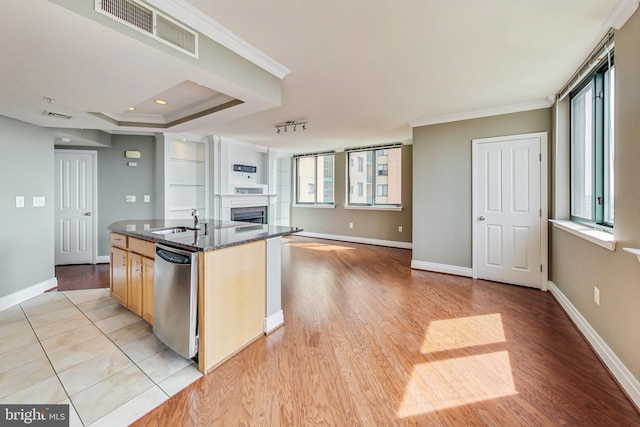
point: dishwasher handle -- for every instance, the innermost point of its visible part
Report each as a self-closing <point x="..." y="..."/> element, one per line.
<point x="173" y="257"/>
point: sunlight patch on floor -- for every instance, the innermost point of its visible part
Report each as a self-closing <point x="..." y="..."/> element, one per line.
<point x="452" y="380"/>
<point x="455" y="382"/>
<point x="451" y="334"/>
<point x="320" y="246"/>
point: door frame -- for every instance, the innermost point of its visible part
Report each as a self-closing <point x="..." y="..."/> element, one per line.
<point x="94" y="201"/>
<point x="544" y="200"/>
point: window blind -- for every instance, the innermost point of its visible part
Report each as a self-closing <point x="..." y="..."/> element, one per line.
<point x="375" y="147"/>
<point x="602" y="52"/>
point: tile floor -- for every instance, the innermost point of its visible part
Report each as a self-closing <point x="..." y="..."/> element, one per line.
<point x="84" y="349"/>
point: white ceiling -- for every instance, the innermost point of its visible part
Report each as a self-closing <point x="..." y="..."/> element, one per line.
<point x="361" y="70"/>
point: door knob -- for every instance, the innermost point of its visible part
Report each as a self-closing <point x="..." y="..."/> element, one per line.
<point x="87" y="214"/>
<point x="481" y="218"/>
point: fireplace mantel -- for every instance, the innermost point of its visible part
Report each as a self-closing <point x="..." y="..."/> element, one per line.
<point x="240" y="189"/>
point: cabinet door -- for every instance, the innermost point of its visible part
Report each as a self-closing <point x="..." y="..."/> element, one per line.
<point x="118" y="270"/>
<point x="134" y="294"/>
<point x="147" y="289"/>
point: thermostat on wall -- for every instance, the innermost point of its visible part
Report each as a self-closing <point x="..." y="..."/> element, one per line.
<point x="244" y="168"/>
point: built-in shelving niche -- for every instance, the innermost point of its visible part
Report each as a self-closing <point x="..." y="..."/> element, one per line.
<point x="186" y="178"/>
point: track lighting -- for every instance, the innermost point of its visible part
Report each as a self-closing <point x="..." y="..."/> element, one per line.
<point x="291" y="123"/>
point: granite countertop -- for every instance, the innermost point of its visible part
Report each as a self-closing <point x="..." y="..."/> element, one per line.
<point x="221" y="234"/>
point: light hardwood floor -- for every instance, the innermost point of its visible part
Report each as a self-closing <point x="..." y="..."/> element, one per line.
<point x="370" y="342"/>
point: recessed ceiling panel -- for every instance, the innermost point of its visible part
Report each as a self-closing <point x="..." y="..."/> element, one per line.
<point x="181" y="103"/>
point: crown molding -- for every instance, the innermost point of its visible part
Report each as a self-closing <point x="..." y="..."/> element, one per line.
<point x="199" y="21"/>
<point x="621" y="14"/>
<point x="497" y="111"/>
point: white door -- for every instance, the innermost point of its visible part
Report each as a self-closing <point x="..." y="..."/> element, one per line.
<point x="75" y="220"/>
<point x="510" y="209"/>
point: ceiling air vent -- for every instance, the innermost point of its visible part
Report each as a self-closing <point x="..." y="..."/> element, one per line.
<point x="150" y="22"/>
<point x="57" y="115"/>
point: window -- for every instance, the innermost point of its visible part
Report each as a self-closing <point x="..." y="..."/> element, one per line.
<point x="377" y="176"/>
<point x="592" y="148"/>
<point x="314" y="179"/>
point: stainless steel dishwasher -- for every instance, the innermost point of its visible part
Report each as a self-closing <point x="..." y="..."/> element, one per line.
<point x="175" y="299"/>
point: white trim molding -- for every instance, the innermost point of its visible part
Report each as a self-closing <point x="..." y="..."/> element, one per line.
<point x="199" y="21"/>
<point x="590" y="234"/>
<point x="496" y="111"/>
<point x="621" y="373"/>
<point x="352" y="239"/>
<point x="621" y="14"/>
<point x="103" y="259"/>
<point x="27" y="293"/>
<point x="441" y="268"/>
<point x="273" y="321"/>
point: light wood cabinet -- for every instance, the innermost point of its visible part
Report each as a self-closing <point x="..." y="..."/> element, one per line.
<point x="132" y="274"/>
<point x="134" y="290"/>
<point x="118" y="273"/>
<point x="231" y="301"/>
<point x="147" y="289"/>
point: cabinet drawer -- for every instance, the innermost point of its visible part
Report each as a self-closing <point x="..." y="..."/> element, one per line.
<point x="142" y="247"/>
<point x="119" y="240"/>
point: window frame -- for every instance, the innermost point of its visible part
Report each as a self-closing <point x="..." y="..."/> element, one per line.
<point x="316" y="177"/>
<point x="377" y="152"/>
<point x="602" y="147"/>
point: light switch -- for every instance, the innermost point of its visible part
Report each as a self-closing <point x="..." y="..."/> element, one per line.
<point x="19" y="201"/>
<point x="147" y="198"/>
<point x="130" y="199"/>
<point x="38" y="202"/>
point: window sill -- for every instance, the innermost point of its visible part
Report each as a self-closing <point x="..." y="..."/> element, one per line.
<point x="375" y="208"/>
<point x="634" y="251"/>
<point x="598" y="237"/>
<point x="315" y="206"/>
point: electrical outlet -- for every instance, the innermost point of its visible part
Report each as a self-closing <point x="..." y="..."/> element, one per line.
<point x="350" y="225"/>
<point x="130" y="199"/>
<point x="596" y="295"/>
<point x="38" y="202"/>
<point x="400" y="229"/>
<point x="147" y="198"/>
<point x="19" y="201"/>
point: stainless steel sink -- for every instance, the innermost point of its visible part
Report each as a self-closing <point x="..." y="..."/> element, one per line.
<point x="170" y="230"/>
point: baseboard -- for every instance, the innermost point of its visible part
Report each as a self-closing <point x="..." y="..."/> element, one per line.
<point x="441" y="268"/>
<point x="27" y="293"/>
<point x="377" y="242"/>
<point x="624" y="377"/>
<point x="103" y="259"/>
<point x="273" y="321"/>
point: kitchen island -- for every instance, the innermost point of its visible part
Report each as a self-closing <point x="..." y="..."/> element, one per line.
<point x="239" y="275"/>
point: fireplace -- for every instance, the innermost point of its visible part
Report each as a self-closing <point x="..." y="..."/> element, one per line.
<point x="255" y="214"/>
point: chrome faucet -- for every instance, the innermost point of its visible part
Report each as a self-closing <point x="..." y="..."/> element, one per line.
<point x="196" y="217"/>
<point x="196" y="221"/>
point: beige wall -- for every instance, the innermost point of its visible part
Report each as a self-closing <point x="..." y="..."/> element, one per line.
<point x="367" y="223"/>
<point x="577" y="265"/>
<point x="27" y="234"/>
<point x="442" y="182"/>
